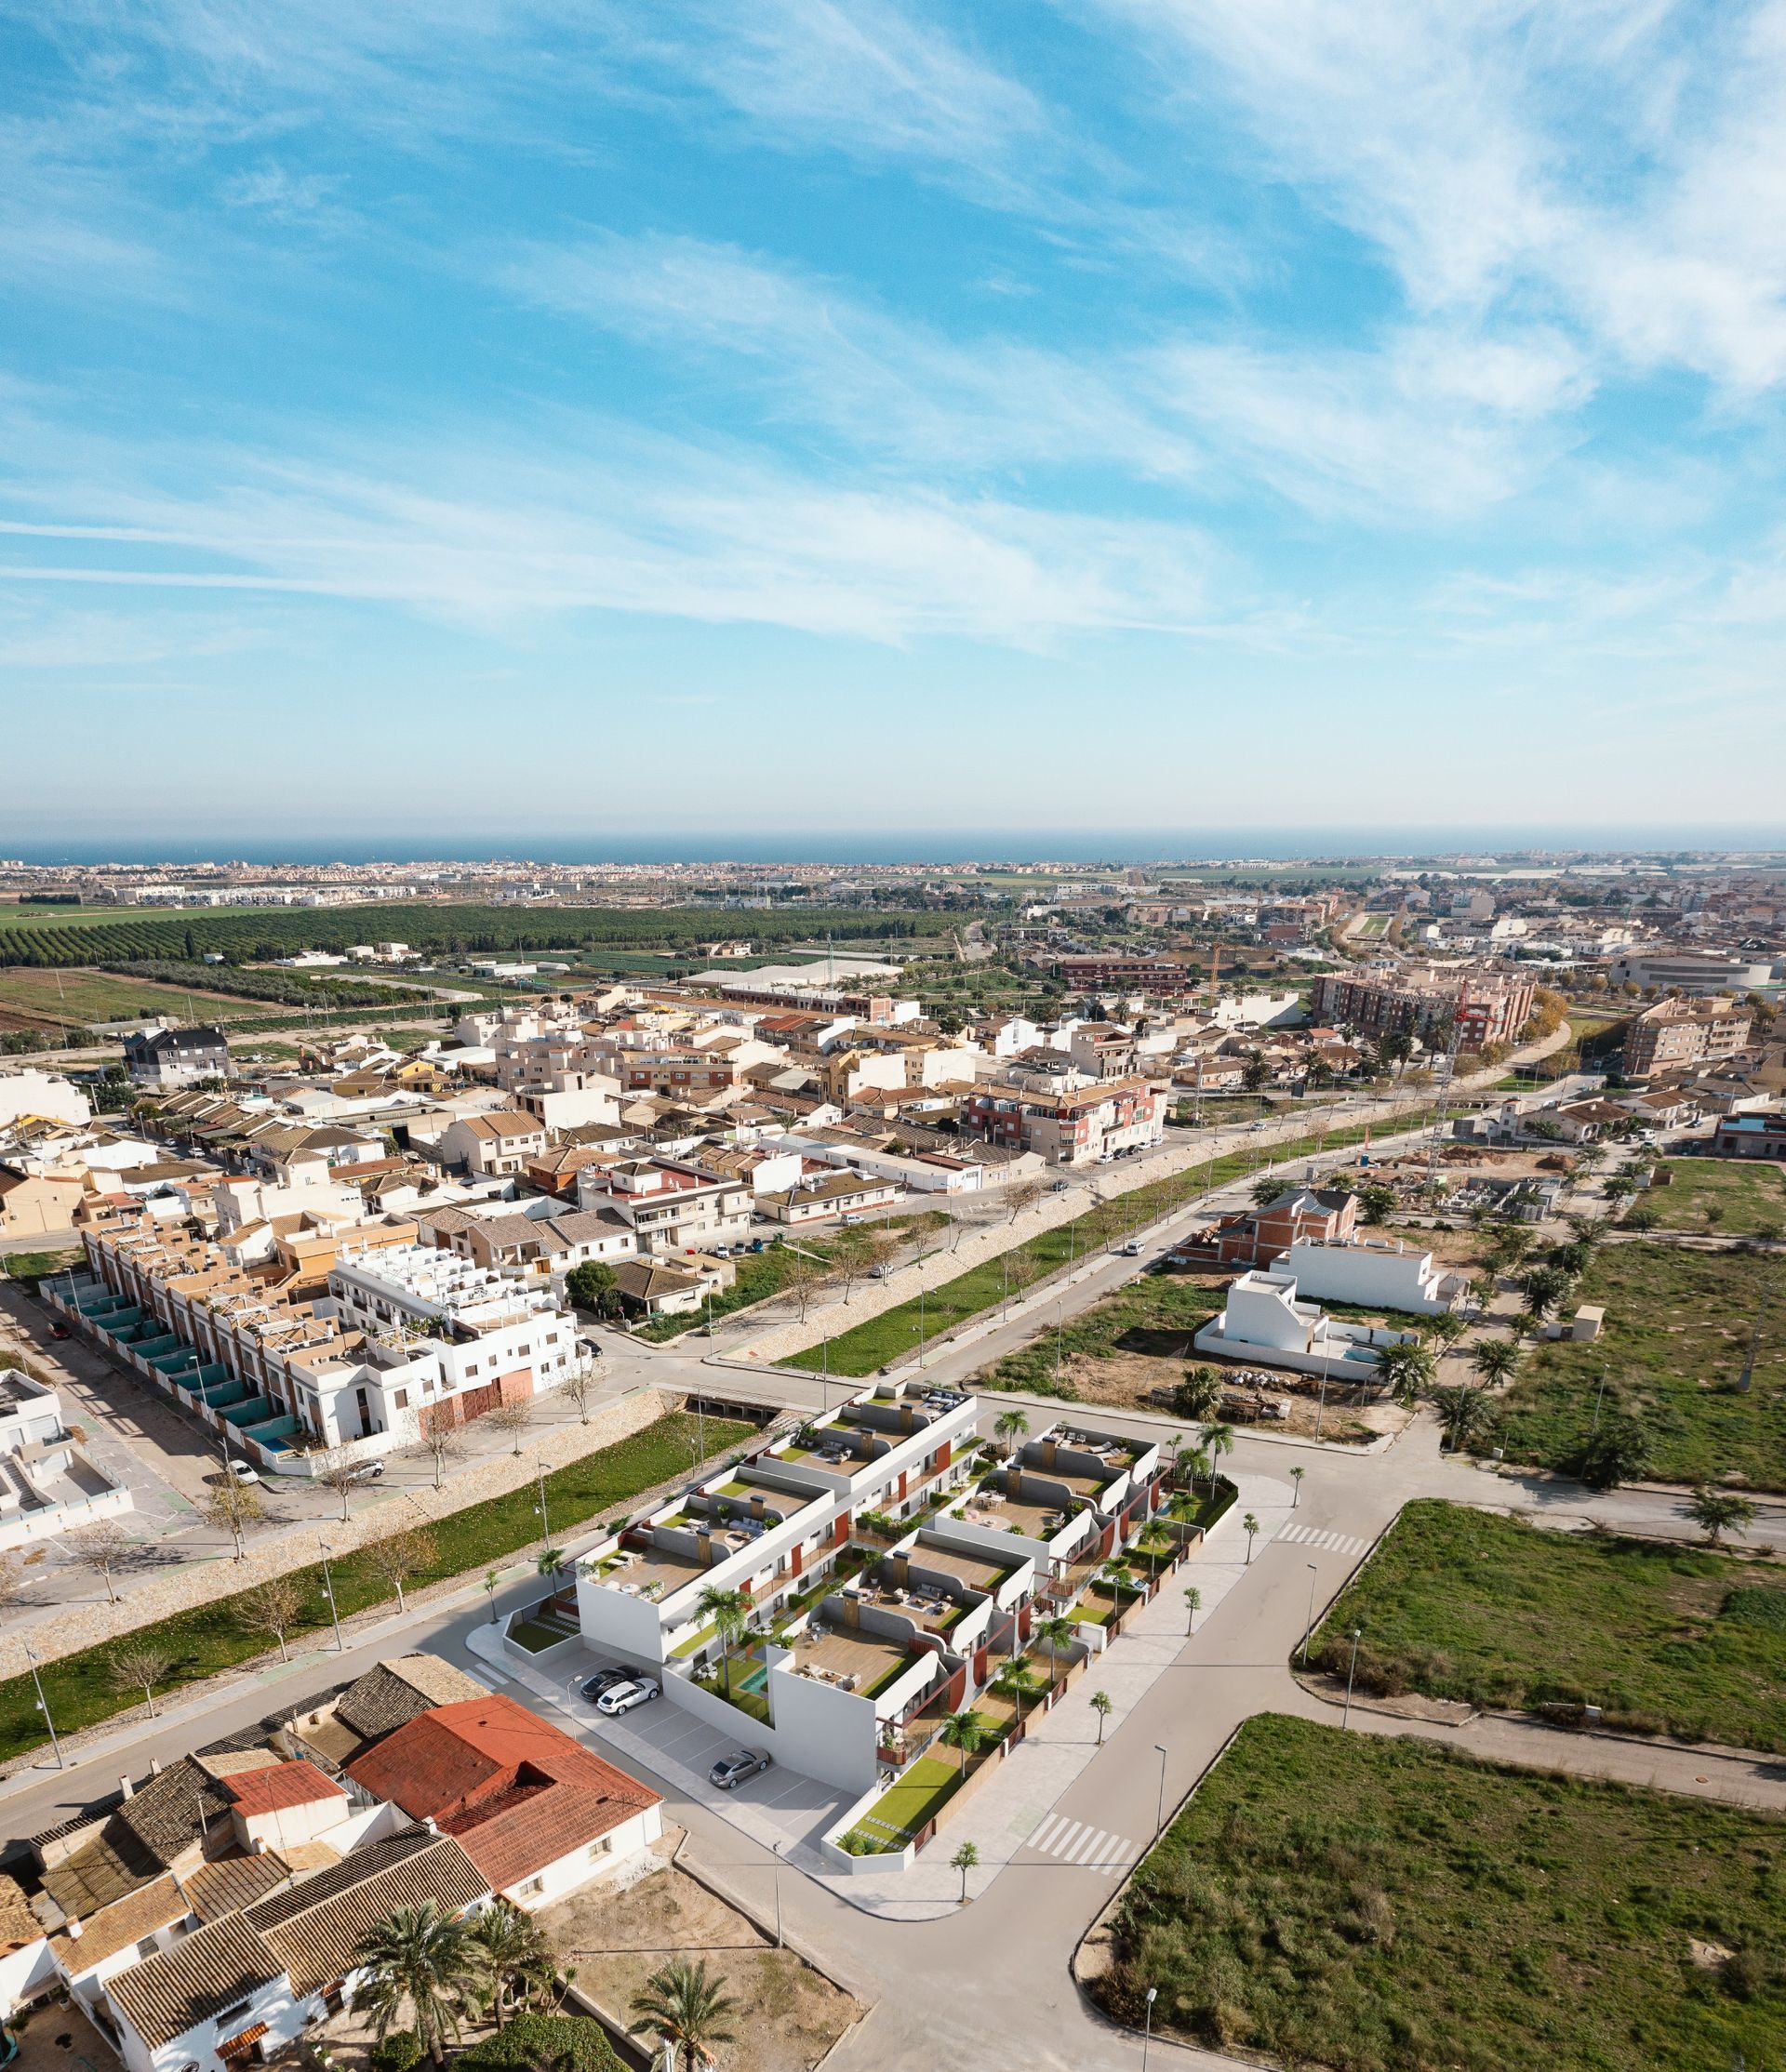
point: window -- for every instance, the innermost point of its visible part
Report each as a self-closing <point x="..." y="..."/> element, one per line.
<point x="401" y="1399"/>
<point x="532" y="1886"/>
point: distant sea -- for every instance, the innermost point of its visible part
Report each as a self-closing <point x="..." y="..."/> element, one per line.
<point x="845" y="847"/>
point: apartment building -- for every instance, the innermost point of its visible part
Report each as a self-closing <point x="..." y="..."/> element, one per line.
<point x="1687" y="1032"/>
<point x="670" y="1205"/>
<point x="165" y="1058"/>
<point x="496" y="1145"/>
<point x="1427" y="1000"/>
<point x="1157" y="977"/>
<point x="1068" y="1124"/>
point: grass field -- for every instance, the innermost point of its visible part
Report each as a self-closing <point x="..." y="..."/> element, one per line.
<point x="199" y="1643"/>
<point x="919" y="1796"/>
<point x="1158" y="1313"/>
<point x="1743" y="1198"/>
<point x="1461" y="1603"/>
<point x="882" y="1338"/>
<point x="1678" y="1326"/>
<point x="1371" y="1904"/>
<point x="77" y="999"/>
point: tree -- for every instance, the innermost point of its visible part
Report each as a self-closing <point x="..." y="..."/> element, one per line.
<point x="418" y="1958"/>
<point x="803" y="1276"/>
<point x="1589" y="1232"/>
<point x="1250" y="1525"/>
<point x="443" y="1446"/>
<point x="1011" y="1426"/>
<point x="336" y="1470"/>
<point x="1465" y="1414"/>
<point x="1717" y="1511"/>
<point x="1447" y="1327"/>
<point x="508" y="1950"/>
<point x="105" y="1548"/>
<point x="399" y="1555"/>
<point x="967" y="1731"/>
<point x="1544" y="1288"/>
<point x="1267" y="1189"/>
<point x="579" y="1385"/>
<point x="1407" y="1369"/>
<point x="1198" y="1394"/>
<point x="1014" y="1682"/>
<point x="136" y="1666"/>
<point x="1198" y="1462"/>
<point x="1375" y="1200"/>
<point x="964" y="1859"/>
<point x="595" y="1287"/>
<point x="1023" y="1195"/>
<point x="512" y="1418"/>
<point x="1495" y="1360"/>
<point x="274" y="1607"/>
<point x="687" y="2008"/>
<point x="1019" y="1270"/>
<point x="855" y="1252"/>
<point x="1255" y="1072"/>
<point x="1193" y="1605"/>
<point x="1153" y="1541"/>
<point x="1217" y="1439"/>
<point x="232" y="1507"/>
<point x="1296" y="1485"/>
<point x="1056" y="1630"/>
<point x="1103" y="1705"/>
<point x="1618" y="1451"/>
<point x="1509" y="1243"/>
<point x="729" y="1612"/>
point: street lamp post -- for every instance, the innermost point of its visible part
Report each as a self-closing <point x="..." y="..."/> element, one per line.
<point x="1147" y="2033"/>
<point x="328" y="1591"/>
<point x="1060" y="1327"/>
<point x="1345" y="1717"/>
<point x="43" y="1706"/>
<point x="1159" y="1816"/>
<point x="777" y="1895"/>
<point x="1308" y="1630"/>
<point x="545" y="1517"/>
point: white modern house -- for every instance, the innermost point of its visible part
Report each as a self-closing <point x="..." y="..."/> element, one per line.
<point x="1265" y="1322"/>
<point x="1376" y="1273"/>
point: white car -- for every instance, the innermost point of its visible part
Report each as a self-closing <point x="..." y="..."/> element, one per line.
<point x="624" y="1696"/>
<point x="1132" y="1250"/>
<point x="242" y="1471"/>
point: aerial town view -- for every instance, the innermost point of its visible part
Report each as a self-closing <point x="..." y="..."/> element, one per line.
<point x="892" y="1038"/>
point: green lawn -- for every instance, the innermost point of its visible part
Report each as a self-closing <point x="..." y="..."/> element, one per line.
<point x="1459" y="1603"/>
<point x="1678" y="1325"/>
<point x="201" y="1642"/>
<point x="1371" y="1904"/>
<point x="1744" y="1198"/>
<point x="918" y="1796"/>
<point x="872" y="1345"/>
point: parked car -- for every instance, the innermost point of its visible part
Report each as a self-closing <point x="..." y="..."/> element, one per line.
<point x="624" y="1696"/>
<point x="731" y="1771"/>
<point x="242" y="1471"/>
<point x="57" y="1329"/>
<point x="367" y="1472"/>
<point x="604" y="1680"/>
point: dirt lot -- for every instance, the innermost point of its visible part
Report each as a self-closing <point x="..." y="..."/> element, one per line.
<point x="788" y="2017"/>
<point x="1126" y="1380"/>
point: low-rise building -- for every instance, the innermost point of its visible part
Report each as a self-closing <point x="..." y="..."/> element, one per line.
<point x="173" y="1057"/>
<point x="1265" y="1322"/>
<point x="1067" y="1124"/>
<point x="1374" y="1273"/>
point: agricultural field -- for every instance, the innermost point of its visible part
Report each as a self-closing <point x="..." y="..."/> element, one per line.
<point x="78" y="999"/>
<point x="1374" y="1904"/>
<point x="1676" y="1341"/>
<point x="1732" y="1197"/>
<point x="1461" y="1603"/>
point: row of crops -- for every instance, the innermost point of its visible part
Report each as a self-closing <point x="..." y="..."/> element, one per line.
<point x="289" y="987"/>
<point x="443" y="930"/>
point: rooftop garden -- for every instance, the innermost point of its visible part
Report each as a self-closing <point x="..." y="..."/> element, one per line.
<point x="905" y="1807"/>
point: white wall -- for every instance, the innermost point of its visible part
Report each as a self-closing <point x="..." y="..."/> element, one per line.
<point x="36" y="1093"/>
<point x="1373" y="1276"/>
<point x="593" y="1860"/>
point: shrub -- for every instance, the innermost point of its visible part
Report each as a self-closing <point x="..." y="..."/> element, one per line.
<point x="534" y="2040"/>
<point x="399" y="2051"/>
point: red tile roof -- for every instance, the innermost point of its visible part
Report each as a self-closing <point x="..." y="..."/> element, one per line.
<point x="280" y="1784"/>
<point x="515" y="1792"/>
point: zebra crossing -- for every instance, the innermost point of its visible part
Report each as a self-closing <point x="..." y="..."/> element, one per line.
<point x="1085" y="1847"/>
<point x="1310" y="1536"/>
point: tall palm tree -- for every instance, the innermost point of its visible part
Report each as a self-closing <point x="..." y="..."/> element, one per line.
<point x="508" y="1948"/>
<point x="1495" y="1360"/>
<point x="1407" y="1369"/>
<point x="967" y="1731"/>
<point x="1217" y="1439"/>
<point x="687" y="2008"/>
<point x="730" y="1613"/>
<point x="420" y="1958"/>
<point x="1056" y="1630"/>
<point x="1014" y="1682"/>
<point x="1011" y="1425"/>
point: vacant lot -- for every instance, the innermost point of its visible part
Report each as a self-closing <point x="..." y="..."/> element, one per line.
<point x="1677" y="1336"/>
<point x="1727" y="1195"/>
<point x="788" y="2015"/>
<point x="1459" y="1603"/>
<point x="1379" y="1905"/>
<point x="77" y="999"/>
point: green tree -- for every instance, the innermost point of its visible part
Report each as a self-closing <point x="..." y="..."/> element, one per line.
<point x="731" y="1613"/>
<point x="1375" y="1200"/>
<point x="1407" y="1370"/>
<point x="420" y="1959"/>
<point x="1103" y="1705"/>
<point x="592" y="1286"/>
<point x="1250" y="1525"/>
<point x="1718" y="1512"/>
<point x="1495" y="1360"/>
<point x="1544" y="1289"/>
<point x="967" y="1731"/>
<point x="508" y="1952"/>
<point x="1618" y="1451"/>
<point x="1466" y="1415"/>
<point x="964" y="1859"/>
<point x="687" y="2008"/>
<point x="1009" y="1426"/>
<point x="1193" y="1605"/>
<point x="1198" y="1394"/>
<point x="1217" y="1439"/>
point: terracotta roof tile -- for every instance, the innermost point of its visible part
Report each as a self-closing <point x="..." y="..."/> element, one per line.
<point x="281" y="1785"/>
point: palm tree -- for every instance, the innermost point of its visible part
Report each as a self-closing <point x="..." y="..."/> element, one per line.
<point x="1466" y="1415"/>
<point x="1011" y="1425"/>
<point x="1217" y="1439"/>
<point x="1718" y="1512"/>
<point x="686" y="2009"/>
<point x="730" y="1613"/>
<point x="1544" y="1288"/>
<point x="1296" y="1478"/>
<point x="1250" y="1525"/>
<point x="1103" y="1705"/>
<point x="1014" y="1682"/>
<point x="420" y="1958"/>
<point x="1056" y="1630"/>
<point x="1201" y="1463"/>
<point x="1153" y="1540"/>
<point x="1193" y="1605"/>
<point x="1447" y="1327"/>
<point x="508" y="1948"/>
<point x="967" y="1731"/>
<point x="964" y="1859"/>
<point x="1497" y="1361"/>
<point x="1407" y="1368"/>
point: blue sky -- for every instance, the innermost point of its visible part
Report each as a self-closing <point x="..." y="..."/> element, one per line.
<point x="1195" y="413"/>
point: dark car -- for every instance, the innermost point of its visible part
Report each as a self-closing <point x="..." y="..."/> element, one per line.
<point x="603" y="1682"/>
<point x="58" y="1329"/>
<point x="731" y="1771"/>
